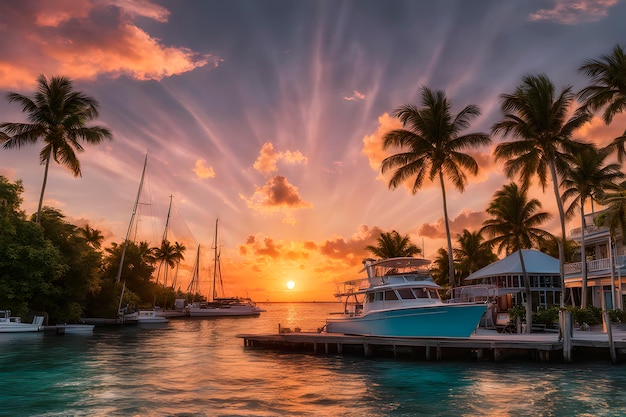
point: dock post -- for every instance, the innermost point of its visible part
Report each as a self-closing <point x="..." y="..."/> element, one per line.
<point x="367" y="349"/>
<point x="566" y="333"/>
<point x="427" y="353"/>
<point x="339" y="348"/>
<point x="326" y="348"/>
<point x="609" y="332"/>
<point x="479" y="355"/>
<point x="439" y="354"/>
<point x="314" y="347"/>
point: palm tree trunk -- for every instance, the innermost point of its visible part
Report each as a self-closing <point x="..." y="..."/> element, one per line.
<point x="583" y="256"/>
<point x="451" y="277"/>
<point x="561" y="242"/>
<point x="529" y="299"/>
<point x="43" y="187"/>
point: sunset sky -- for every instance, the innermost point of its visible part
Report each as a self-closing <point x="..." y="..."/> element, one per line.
<point x="269" y="115"/>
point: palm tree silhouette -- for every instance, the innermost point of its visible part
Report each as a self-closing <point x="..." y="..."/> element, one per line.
<point x="57" y="115"/>
<point x="431" y="145"/>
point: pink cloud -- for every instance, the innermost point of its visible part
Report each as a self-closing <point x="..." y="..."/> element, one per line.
<point x="83" y="40"/>
<point x="267" y="160"/>
<point x="571" y="12"/>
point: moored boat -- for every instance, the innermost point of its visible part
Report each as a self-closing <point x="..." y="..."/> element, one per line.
<point x="150" y="317"/>
<point x="220" y="306"/>
<point x="399" y="298"/>
<point x="9" y="324"/>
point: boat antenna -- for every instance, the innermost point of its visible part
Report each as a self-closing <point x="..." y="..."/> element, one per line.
<point x="132" y="219"/>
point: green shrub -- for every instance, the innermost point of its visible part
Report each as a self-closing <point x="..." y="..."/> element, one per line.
<point x="546" y="316"/>
<point x="617" y="315"/>
<point x="590" y="315"/>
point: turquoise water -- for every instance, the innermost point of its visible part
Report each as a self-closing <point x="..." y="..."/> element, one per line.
<point x="199" y="368"/>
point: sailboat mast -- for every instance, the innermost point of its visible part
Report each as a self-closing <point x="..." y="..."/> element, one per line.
<point x="215" y="262"/>
<point x="132" y="219"/>
<point x="167" y="220"/>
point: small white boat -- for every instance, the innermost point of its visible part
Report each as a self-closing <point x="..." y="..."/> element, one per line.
<point x="10" y="324"/>
<point x="399" y="299"/>
<point x="150" y="317"/>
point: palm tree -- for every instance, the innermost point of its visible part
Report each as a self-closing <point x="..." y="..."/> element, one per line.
<point x="608" y="89"/>
<point x="393" y="245"/>
<point x="614" y="217"/>
<point x="472" y="253"/>
<point x="179" y="256"/>
<point x="440" y="270"/>
<point x="165" y="254"/>
<point x="92" y="236"/>
<point x="431" y="147"/>
<point x="538" y="120"/>
<point x="514" y="227"/>
<point x="57" y="115"/>
<point x="585" y="178"/>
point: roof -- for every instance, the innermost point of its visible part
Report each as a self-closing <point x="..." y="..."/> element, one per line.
<point x="536" y="263"/>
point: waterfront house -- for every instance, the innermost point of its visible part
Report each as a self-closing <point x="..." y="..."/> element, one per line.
<point x="606" y="272"/>
<point x="506" y="274"/>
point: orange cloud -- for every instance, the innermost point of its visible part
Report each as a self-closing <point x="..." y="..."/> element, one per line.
<point x="203" y="171"/>
<point x="571" y="12"/>
<point x="470" y="220"/>
<point x="599" y="132"/>
<point x="277" y="195"/>
<point x="268" y="158"/>
<point x="373" y="144"/>
<point x="83" y="39"/>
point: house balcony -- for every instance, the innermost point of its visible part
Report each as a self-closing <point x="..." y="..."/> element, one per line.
<point x="589" y="231"/>
<point x="595" y="266"/>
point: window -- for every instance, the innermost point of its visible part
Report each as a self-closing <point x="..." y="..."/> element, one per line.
<point x="420" y="293"/>
<point x="406" y="294"/>
<point x="390" y="295"/>
<point x="378" y="296"/>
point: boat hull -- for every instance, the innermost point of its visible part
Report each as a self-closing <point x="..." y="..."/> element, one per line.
<point x="235" y="311"/>
<point x="442" y="320"/>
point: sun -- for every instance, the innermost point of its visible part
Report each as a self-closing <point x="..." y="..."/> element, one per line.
<point x="290" y="285"/>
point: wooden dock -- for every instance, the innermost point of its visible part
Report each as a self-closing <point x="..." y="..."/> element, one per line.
<point x="484" y="345"/>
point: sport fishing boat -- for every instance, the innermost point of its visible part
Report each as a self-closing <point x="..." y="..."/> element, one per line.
<point x="399" y="298"/>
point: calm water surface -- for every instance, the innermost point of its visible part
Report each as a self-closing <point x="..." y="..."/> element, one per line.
<point x="199" y="368"/>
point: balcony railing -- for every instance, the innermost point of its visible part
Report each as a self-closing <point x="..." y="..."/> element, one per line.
<point x="595" y="265"/>
<point x="589" y="230"/>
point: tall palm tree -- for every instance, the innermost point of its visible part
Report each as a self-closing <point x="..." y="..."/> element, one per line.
<point x="472" y="253"/>
<point x="514" y="227"/>
<point x="608" y="89"/>
<point x="393" y="245"/>
<point x="431" y="146"/>
<point x="585" y="178"/>
<point x="92" y="236"/>
<point x="57" y="115"/>
<point x="537" y="118"/>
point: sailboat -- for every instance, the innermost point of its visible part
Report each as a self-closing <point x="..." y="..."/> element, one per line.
<point x="124" y="314"/>
<point x="222" y="306"/>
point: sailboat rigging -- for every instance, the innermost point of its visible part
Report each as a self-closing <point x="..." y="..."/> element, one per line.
<point x="222" y="306"/>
